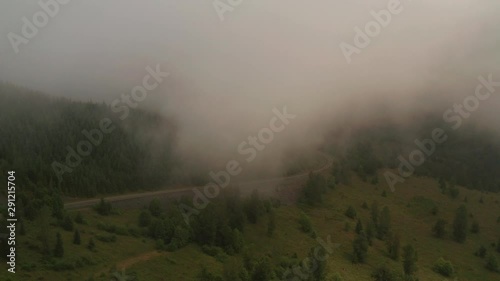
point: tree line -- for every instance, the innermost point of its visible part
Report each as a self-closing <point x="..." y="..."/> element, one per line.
<point x="37" y="129"/>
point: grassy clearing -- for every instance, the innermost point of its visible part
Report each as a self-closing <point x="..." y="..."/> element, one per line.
<point x="411" y="212"/>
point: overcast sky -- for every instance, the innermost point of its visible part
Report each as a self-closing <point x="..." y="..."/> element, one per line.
<point x="226" y="76"/>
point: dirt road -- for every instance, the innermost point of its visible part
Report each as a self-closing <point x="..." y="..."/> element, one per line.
<point x="141" y="199"/>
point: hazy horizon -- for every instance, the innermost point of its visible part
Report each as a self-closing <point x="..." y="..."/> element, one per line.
<point x="227" y="76"/>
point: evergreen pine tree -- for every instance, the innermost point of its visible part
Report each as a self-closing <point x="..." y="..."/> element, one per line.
<point x="103" y="208"/>
<point x="155" y="208"/>
<point x="44" y="229"/>
<point x="460" y="224"/>
<point x="410" y="259"/>
<point x="474" y="227"/>
<point x="76" y="237"/>
<point x="59" y="248"/>
<point x="384" y="224"/>
<point x="318" y="266"/>
<point x="370" y="232"/>
<point x="393" y="246"/>
<point x="359" y="249"/>
<point x="351" y="212"/>
<point x="439" y="228"/>
<point x="253" y="207"/>
<point x="492" y="263"/>
<point x="359" y="227"/>
<point x="67" y="223"/>
<point x="145" y="218"/>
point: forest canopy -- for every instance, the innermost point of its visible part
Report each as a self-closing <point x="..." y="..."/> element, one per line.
<point x="37" y="130"/>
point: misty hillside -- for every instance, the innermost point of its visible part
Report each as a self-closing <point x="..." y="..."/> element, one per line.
<point x="138" y="154"/>
<point x="36" y="131"/>
<point x="470" y="157"/>
<point x="232" y="140"/>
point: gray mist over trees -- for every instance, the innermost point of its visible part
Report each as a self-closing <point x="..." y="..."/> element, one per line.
<point x="226" y="77"/>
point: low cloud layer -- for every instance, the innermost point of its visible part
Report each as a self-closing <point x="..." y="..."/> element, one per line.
<point x="227" y="76"/>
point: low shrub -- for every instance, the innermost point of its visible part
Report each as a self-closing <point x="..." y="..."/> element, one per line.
<point x="492" y="264"/>
<point x="444" y="267"/>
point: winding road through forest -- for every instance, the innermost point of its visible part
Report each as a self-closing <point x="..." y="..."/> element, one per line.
<point x="267" y="187"/>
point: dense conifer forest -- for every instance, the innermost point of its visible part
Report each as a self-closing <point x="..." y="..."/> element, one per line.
<point x="37" y="131"/>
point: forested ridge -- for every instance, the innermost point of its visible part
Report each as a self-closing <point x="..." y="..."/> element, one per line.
<point x="375" y="230"/>
<point x="36" y="130"/>
<point x="469" y="157"/>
